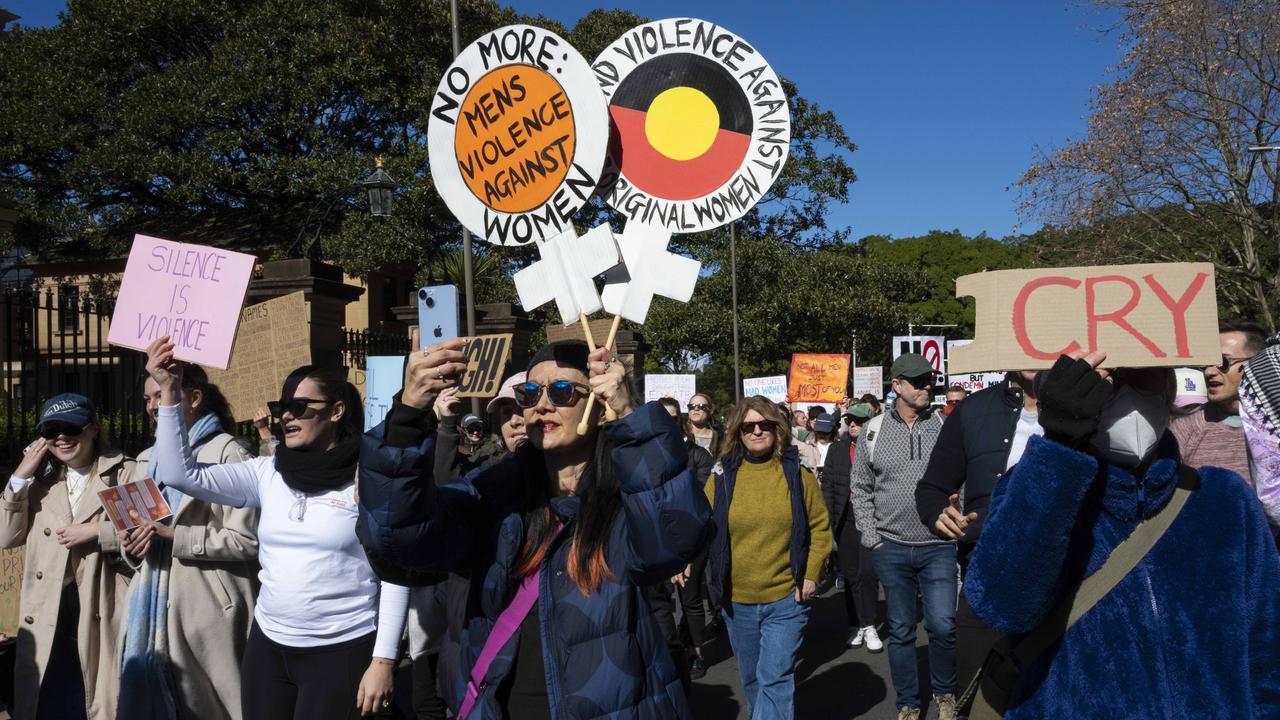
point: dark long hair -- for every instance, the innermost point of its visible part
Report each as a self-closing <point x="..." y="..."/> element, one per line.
<point x="211" y="398"/>
<point x="333" y="387"/>
<point x="601" y="500"/>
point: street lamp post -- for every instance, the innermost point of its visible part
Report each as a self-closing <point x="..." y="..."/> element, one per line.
<point x="381" y="189"/>
<point x="468" y="275"/>
<point x="733" y="280"/>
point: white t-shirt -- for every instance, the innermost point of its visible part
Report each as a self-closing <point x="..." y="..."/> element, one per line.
<point x="317" y="585"/>
<point x="1028" y="425"/>
<point x="77" y="479"/>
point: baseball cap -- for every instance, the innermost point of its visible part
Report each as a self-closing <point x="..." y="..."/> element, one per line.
<point x="505" y="393"/>
<point x="909" y="365"/>
<point x="861" y="411"/>
<point x="469" y="420"/>
<point x="1191" y="388"/>
<point x="69" y="408"/>
<point x="825" y="423"/>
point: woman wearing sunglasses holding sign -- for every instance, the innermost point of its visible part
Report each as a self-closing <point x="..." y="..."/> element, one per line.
<point x="74" y="581"/>
<point x="325" y="635"/>
<point x="772" y="537"/>
<point x="559" y="538"/>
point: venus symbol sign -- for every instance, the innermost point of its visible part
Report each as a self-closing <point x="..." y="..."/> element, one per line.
<point x="517" y="135"/>
<point x="566" y="273"/>
<point x="647" y="269"/>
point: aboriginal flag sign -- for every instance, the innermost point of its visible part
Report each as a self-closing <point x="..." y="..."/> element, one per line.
<point x="701" y="126"/>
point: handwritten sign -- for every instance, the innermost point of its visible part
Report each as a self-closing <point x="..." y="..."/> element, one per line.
<point x="517" y="135"/>
<point x="132" y="503"/>
<point x="818" y="378"/>
<point x="868" y="380"/>
<point x="12" y="562"/>
<point x="274" y="338"/>
<point x="383" y="378"/>
<point x="1156" y="315"/>
<point x="702" y="126"/>
<point x="680" y="387"/>
<point x="487" y="357"/>
<point x="773" y="387"/>
<point x="192" y="293"/>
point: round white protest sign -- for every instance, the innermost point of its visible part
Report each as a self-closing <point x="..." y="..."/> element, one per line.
<point x="517" y="135"/>
<point x="701" y="125"/>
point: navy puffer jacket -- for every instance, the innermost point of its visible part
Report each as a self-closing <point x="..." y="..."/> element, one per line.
<point x="604" y="655"/>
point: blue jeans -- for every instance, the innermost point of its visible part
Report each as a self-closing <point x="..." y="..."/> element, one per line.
<point x="765" y="640"/>
<point x="929" y="570"/>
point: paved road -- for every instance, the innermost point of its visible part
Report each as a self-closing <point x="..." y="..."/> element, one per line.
<point x="833" y="682"/>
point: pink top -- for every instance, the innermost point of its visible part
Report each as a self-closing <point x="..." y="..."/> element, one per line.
<point x="1205" y="439"/>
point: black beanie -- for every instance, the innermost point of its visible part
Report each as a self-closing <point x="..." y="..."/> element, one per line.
<point x="570" y="353"/>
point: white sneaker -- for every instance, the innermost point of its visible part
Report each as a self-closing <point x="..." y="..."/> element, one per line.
<point x="855" y="639"/>
<point x="872" y="639"/>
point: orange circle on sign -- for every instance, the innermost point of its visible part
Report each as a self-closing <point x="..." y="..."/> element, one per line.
<point x="515" y="138"/>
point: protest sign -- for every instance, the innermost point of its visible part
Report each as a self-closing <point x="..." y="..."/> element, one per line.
<point x="566" y="272"/>
<point x="517" y="135"/>
<point x="383" y="378"/>
<point x="702" y="126"/>
<point x="932" y="347"/>
<point x="647" y="270"/>
<point x="973" y="382"/>
<point x="868" y="380"/>
<point x="773" y="387"/>
<point x="1156" y="315"/>
<point x="130" y="504"/>
<point x="12" y="562"/>
<point x="487" y="357"/>
<point x="818" y="378"/>
<point x="274" y="338"/>
<point x="192" y="293"/>
<point x="680" y="387"/>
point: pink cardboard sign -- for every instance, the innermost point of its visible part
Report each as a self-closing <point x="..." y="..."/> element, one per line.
<point x="192" y="293"/>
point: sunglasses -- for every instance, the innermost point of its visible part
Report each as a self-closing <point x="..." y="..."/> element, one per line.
<point x="53" y="430"/>
<point x="561" y="393"/>
<point x="700" y="406"/>
<point x="1227" y="363"/>
<point x="297" y="407"/>
<point x="920" y="382"/>
<point x="763" y="426"/>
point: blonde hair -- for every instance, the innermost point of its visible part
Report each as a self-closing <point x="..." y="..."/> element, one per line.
<point x="767" y="410"/>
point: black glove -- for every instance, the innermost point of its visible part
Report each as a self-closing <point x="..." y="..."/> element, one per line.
<point x="1071" y="397"/>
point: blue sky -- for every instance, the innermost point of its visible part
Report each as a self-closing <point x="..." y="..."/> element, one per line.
<point x="945" y="100"/>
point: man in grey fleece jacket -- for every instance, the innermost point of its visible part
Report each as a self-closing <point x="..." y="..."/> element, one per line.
<point x="907" y="556"/>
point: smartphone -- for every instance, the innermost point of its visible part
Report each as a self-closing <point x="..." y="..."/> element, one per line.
<point x="437" y="314"/>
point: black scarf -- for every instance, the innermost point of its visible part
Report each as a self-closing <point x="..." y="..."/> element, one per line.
<point x="315" y="472"/>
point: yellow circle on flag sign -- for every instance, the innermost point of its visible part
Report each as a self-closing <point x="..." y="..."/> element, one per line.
<point x="682" y="123"/>
<point x="517" y="135"/>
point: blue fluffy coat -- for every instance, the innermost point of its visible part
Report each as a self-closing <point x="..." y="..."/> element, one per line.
<point x="1192" y="632"/>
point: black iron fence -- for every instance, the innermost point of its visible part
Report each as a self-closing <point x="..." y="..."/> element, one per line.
<point x="55" y="341"/>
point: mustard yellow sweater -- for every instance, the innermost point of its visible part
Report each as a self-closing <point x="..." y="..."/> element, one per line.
<point x="760" y="532"/>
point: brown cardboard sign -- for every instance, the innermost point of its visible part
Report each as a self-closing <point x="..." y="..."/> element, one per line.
<point x="274" y="337"/>
<point x="487" y="357"/>
<point x="1157" y="315"/>
<point x="12" y="561"/>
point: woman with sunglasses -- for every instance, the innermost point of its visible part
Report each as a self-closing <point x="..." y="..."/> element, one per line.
<point x="326" y="635"/>
<point x="772" y="538"/>
<point x="560" y="538"/>
<point x="191" y="602"/>
<point x="701" y="426"/>
<point x="74" y="582"/>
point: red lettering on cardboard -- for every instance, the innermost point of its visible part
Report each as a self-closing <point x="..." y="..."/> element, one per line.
<point x="1178" y="308"/>
<point x="1020" y="317"/>
<point x="1116" y="316"/>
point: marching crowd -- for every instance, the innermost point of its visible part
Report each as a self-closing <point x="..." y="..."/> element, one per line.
<point x="1084" y="541"/>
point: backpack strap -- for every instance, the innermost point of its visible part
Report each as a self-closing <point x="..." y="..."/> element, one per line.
<point x="994" y="686"/>
<point x="872" y="429"/>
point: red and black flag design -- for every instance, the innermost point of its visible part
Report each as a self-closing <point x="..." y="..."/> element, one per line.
<point x="682" y="126"/>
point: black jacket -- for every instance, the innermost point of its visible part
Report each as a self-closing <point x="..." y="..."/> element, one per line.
<point x="700" y="461"/>
<point x="970" y="456"/>
<point x="836" y="473"/>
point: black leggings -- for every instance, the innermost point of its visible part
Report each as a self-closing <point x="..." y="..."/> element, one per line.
<point x="861" y="585"/>
<point x="695" y="617"/>
<point x="278" y="682"/>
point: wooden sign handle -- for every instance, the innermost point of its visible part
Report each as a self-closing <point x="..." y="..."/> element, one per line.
<point x="609" y="413"/>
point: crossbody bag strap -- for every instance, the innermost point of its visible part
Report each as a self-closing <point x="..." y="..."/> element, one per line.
<point x="506" y="626"/>
<point x="1122" y="560"/>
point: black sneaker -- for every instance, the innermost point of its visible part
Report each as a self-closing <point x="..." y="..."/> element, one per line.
<point x="697" y="670"/>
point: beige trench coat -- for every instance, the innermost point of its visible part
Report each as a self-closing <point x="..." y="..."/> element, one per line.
<point x="213" y="582"/>
<point x="33" y="517"/>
